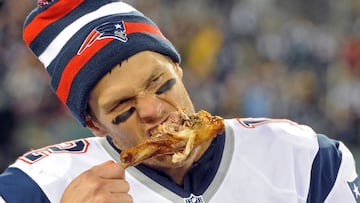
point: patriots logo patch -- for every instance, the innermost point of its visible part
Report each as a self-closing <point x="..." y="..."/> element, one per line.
<point x="355" y="188"/>
<point x="194" y="199"/>
<point x="115" y="30"/>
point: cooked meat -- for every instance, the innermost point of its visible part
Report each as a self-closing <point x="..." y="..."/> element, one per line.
<point x="177" y="136"/>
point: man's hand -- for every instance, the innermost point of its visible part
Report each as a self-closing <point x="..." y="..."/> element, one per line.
<point x="102" y="183"/>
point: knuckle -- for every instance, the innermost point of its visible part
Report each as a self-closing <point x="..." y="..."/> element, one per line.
<point x="97" y="187"/>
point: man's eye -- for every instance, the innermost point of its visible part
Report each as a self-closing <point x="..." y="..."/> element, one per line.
<point x="118" y="104"/>
<point x="166" y="86"/>
<point x="124" y="116"/>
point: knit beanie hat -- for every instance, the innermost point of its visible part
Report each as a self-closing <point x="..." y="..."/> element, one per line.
<point x="79" y="41"/>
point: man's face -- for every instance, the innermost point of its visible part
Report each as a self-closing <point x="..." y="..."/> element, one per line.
<point x="136" y="96"/>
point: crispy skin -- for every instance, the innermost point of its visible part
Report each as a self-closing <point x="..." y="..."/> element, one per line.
<point x="177" y="136"/>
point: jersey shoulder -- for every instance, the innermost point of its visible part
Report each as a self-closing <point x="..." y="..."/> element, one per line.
<point x="74" y="153"/>
<point x="273" y="130"/>
<point x="54" y="166"/>
<point x="17" y="186"/>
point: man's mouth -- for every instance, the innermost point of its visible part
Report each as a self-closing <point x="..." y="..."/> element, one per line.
<point x="177" y="135"/>
<point x="174" y="122"/>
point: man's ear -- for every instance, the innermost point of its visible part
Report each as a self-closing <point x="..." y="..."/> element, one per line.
<point x="95" y="127"/>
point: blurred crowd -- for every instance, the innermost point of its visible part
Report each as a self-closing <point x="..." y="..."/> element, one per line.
<point x="242" y="58"/>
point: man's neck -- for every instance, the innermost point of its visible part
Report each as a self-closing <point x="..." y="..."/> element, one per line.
<point x="178" y="174"/>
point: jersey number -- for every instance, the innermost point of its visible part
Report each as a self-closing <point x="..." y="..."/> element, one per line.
<point x="76" y="147"/>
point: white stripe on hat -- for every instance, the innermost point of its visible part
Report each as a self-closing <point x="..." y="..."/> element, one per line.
<point x="58" y="43"/>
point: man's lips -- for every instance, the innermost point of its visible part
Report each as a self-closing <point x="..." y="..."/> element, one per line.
<point x="173" y="118"/>
<point x="149" y="132"/>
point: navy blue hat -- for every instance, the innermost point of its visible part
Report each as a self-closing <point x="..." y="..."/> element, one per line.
<point x="79" y="41"/>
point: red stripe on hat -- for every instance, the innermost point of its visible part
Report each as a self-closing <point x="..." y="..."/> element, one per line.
<point x="49" y="16"/>
<point x="78" y="61"/>
<point x="75" y="65"/>
<point x="132" y="27"/>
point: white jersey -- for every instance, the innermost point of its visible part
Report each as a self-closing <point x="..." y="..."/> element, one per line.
<point x="263" y="160"/>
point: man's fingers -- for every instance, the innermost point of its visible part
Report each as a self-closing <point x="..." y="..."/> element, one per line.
<point x="113" y="198"/>
<point x="109" y="170"/>
<point x="123" y="196"/>
<point x="116" y="186"/>
<point x="102" y="183"/>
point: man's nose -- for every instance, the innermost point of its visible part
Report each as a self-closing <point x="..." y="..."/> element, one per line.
<point x="148" y="107"/>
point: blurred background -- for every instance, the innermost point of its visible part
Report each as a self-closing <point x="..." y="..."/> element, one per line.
<point x="242" y="58"/>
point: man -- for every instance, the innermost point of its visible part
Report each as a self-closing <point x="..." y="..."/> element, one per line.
<point x="121" y="78"/>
